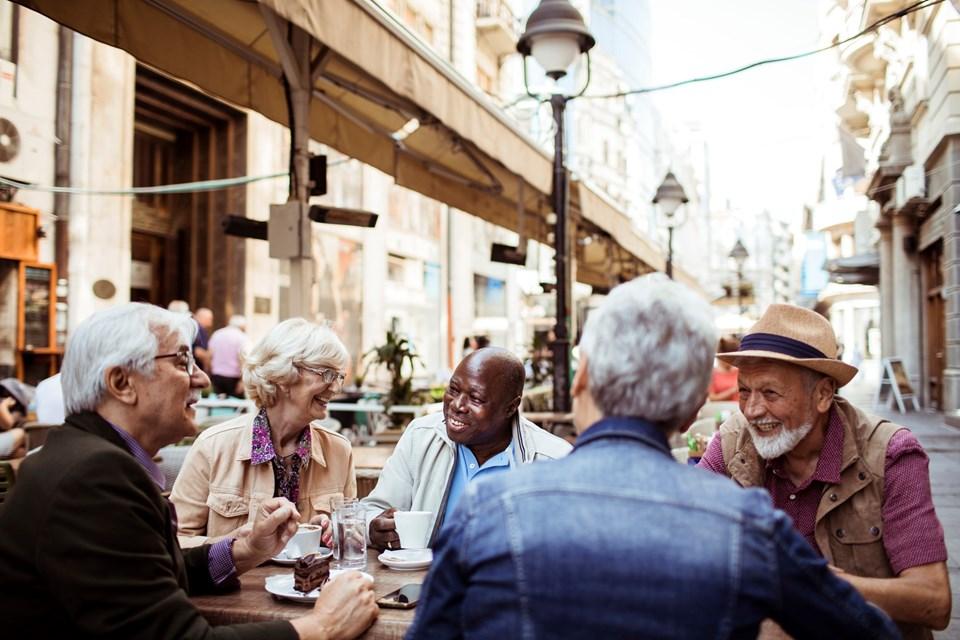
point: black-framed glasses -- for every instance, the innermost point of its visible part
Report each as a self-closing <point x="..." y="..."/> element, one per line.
<point x="184" y="358"/>
<point x="329" y="376"/>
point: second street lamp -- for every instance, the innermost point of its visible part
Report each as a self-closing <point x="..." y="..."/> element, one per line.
<point x="739" y="255"/>
<point x="555" y="35"/>
<point x="669" y="197"/>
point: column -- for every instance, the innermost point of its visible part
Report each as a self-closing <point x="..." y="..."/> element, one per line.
<point x="951" y="286"/>
<point x="887" y="347"/>
<point x="906" y="339"/>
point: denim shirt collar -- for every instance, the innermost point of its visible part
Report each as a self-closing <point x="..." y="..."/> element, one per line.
<point x="625" y="427"/>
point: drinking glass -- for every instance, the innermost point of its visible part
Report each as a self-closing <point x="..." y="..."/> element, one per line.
<point x="349" y="534"/>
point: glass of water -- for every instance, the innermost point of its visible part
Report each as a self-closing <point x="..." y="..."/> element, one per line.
<point x="349" y="534"/>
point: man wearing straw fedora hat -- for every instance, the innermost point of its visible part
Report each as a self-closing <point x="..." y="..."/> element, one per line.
<point x="856" y="486"/>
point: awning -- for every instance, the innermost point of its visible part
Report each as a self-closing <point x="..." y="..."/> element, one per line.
<point x="380" y="95"/>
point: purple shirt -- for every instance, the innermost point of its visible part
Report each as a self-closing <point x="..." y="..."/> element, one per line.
<point x="286" y="470"/>
<point x="225" y="346"/>
<point x="220" y="561"/>
<point x="912" y="534"/>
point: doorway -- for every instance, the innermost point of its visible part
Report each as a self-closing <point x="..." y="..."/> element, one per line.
<point x="935" y="338"/>
<point x="178" y="247"/>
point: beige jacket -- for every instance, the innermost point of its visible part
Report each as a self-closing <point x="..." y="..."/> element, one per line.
<point x="219" y="490"/>
<point x="417" y="476"/>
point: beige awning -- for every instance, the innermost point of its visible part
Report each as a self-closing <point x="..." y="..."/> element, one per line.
<point x="372" y="78"/>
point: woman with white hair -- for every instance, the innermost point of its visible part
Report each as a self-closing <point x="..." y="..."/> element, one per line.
<point x="291" y="374"/>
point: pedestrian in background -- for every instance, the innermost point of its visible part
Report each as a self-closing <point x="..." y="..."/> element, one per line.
<point x="226" y="347"/>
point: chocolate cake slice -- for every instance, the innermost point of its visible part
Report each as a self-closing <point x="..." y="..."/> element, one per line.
<point x="311" y="571"/>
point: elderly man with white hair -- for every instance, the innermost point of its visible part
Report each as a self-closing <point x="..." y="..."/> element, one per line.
<point x="617" y="540"/>
<point x="89" y="546"/>
<point x="855" y="485"/>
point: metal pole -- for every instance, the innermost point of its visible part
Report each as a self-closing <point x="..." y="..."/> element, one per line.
<point x="740" y="289"/>
<point x="670" y="252"/>
<point x="561" y="343"/>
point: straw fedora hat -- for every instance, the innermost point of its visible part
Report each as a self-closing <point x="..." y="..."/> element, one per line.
<point x="795" y="335"/>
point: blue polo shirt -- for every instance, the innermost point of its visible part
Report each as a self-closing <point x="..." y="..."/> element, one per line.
<point x="467" y="469"/>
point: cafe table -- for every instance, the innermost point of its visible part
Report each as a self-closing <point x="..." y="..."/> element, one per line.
<point x="252" y="603"/>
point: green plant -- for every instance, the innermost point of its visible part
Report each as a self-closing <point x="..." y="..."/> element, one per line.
<point x="395" y="354"/>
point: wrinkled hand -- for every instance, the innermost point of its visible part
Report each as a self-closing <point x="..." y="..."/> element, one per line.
<point x="345" y="609"/>
<point x="383" y="531"/>
<point x="326" y="537"/>
<point x="6" y="417"/>
<point x="275" y="523"/>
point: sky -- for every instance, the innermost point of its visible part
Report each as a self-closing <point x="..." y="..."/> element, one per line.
<point x="764" y="126"/>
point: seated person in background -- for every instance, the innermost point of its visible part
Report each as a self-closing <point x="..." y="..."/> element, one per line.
<point x="723" y="382"/>
<point x="15" y="397"/>
<point x="89" y="547"/>
<point x="856" y="486"/>
<point x="479" y="433"/>
<point x="617" y="540"/>
<point x="280" y="451"/>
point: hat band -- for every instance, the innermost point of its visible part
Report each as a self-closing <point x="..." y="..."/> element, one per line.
<point x="779" y="344"/>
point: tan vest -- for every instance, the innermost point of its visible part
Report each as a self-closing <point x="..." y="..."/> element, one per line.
<point x="849" y="523"/>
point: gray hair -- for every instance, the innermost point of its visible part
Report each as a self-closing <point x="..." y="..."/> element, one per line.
<point x="126" y="336"/>
<point x="649" y="349"/>
<point x="274" y="360"/>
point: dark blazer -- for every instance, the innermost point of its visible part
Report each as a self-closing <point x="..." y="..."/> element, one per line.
<point x="87" y="548"/>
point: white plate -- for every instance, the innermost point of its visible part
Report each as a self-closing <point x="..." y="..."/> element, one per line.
<point x="407" y="559"/>
<point x="284" y="559"/>
<point x="281" y="585"/>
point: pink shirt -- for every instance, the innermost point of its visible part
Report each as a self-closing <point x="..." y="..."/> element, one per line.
<point x="226" y="345"/>
<point x="912" y="534"/>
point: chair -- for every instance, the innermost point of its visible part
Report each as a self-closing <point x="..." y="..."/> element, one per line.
<point x="7" y="479"/>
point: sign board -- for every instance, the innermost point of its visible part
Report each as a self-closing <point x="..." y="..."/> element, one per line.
<point x="895" y="381"/>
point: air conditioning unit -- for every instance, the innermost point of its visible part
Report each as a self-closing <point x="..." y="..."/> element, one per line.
<point x="911" y="184"/>
<point x="24" y="151"/>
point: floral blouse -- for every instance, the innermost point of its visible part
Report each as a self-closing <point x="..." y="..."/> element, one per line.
<point x="286" y="469"/>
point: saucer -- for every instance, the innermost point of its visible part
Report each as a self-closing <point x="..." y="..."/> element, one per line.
<point x="281" y="586"/>
<point x="407" y="559"/>
<point x="288" y="561"/>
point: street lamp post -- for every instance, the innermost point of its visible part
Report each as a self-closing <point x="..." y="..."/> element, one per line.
<point x="739" y="255"/>
<point x="669" y="197"/>
<point x="555" y="35"/>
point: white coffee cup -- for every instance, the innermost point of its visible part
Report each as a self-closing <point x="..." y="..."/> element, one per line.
<point x="413" y="527"/>
<point x="305" y="540"/>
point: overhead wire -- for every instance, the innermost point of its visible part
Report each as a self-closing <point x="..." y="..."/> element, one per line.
<point x="896" y="15"/>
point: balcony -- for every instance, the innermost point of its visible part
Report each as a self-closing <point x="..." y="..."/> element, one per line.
<point x="497" y="28"/>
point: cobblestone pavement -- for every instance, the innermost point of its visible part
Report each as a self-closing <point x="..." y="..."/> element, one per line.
<point x="942" y="443"/>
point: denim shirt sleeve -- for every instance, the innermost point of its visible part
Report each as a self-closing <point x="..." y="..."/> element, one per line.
<point x="813" y="602"/>
<point x="440" y="611"/>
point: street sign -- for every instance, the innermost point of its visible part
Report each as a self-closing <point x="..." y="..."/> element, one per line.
<point x="893" y="377"/>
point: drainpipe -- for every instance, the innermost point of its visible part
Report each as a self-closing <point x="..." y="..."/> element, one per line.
<point x="61" y="178"/>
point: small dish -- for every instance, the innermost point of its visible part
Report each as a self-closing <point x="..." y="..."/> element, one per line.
<point x="283" y="559"/>
<point x="281" y="586"/>
<point x="407" y="559"/>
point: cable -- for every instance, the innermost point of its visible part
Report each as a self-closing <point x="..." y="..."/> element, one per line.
<point x="182" y="187"/>
<point x="922" y="4"/>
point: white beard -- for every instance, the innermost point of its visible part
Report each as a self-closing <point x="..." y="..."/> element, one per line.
<point x="772" y="447"/>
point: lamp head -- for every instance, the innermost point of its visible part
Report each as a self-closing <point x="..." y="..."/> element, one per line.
<point x="555" y="35"/>
<point x="670" y="196"/>
<point x="739" y="253"/>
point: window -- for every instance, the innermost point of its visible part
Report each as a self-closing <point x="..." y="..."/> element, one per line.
<point x="490" y="297"/>
<point x="396" y="268"/>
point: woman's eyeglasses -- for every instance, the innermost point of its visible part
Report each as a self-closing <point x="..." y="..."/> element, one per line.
<point x="184" y="358"/>
<point x="329" y="376"/>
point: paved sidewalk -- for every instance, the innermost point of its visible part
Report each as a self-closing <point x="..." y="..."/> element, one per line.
<point x="942" y="443"/>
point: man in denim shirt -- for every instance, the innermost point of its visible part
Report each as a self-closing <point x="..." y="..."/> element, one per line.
<point x="617" y="540"/>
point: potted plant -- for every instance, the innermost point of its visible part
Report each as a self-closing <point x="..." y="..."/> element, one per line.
<point x="395" y="354"/>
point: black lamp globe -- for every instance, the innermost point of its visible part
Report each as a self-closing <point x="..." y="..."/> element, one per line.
<point x="555" y="35"/>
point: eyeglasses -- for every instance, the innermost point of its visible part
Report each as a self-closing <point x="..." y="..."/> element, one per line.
<point x="329" y="376"/>
<point x="184" y="358"/>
